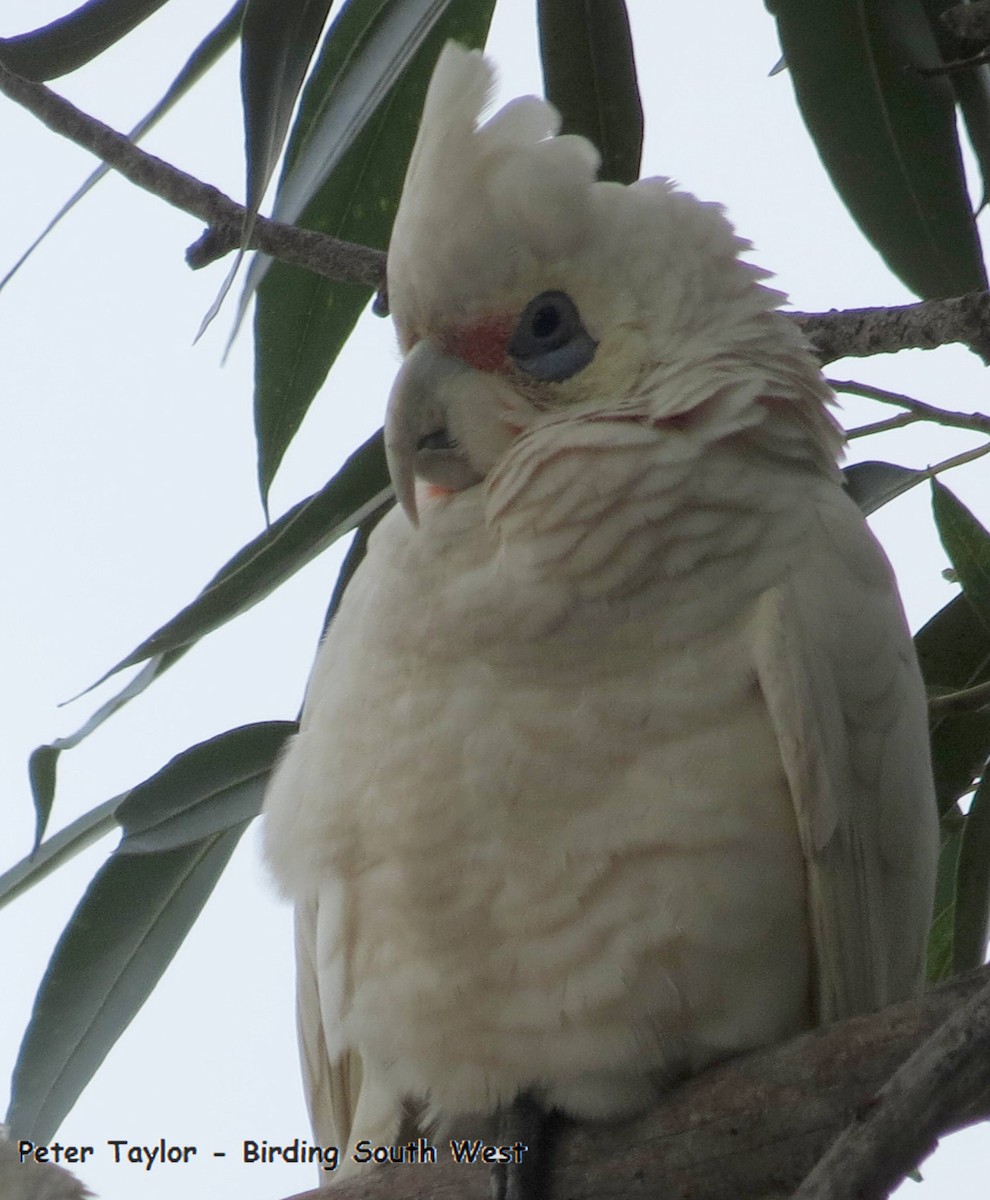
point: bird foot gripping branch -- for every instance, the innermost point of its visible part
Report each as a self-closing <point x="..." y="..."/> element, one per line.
<point x="613" y="761"/>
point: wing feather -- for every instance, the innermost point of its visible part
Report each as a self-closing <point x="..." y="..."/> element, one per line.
<point x="332" y="1082"/>
<point x="346" y="1102"/>
<point x="840" y="678"/>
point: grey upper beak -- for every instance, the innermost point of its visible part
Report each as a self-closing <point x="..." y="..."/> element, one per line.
<point x="419" y="440"/>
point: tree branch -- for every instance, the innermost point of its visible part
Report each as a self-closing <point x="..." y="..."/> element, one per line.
<point x="855" y="332"/>
<point x="756" y="1125"/>
<point x="917" y="410"/>
<point x="926" y="1096"/>
<point x="862" y="332"/>
<point x="317" y="252"/>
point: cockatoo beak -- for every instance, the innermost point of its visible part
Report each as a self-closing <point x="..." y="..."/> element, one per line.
<point x="420" y="439"/>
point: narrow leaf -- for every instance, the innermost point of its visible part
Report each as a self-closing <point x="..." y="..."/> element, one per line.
<point x="125" y="931"/>
<point x="199" y="62"/>
<point x="874" y="484"/>
<point x="940" y="939"/>
<point x="971" y="87"/>
<point x="60" y="848"/>
<point x="954" y="653"/>
<point x="589" y="72"/>
<point x="338" y="101"/>
<point x="44" y="760"/>
<point x="972" y="909"/>
<point x="278" y="40"/>
<point x="359" y="488"/>
<point x="352" y="560"/>
<point x="207" y="789"/>
<point x="41" y="774"/>
<point x="73" y="40"/>
<point x="343" y="172"/>
<point x="967" y="544"/>
<point x="886" y="133"/>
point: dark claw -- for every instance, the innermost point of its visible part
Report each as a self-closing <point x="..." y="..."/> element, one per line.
<point x="523" y="1124"/>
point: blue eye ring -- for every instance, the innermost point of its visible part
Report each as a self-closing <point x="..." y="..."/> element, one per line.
<point x="549" y="341"/>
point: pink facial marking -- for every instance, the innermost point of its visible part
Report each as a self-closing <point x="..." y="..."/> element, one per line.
<point x="482" y="345"/>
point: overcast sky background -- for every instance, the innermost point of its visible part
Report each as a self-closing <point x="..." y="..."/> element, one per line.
<point x="129" y="478"/>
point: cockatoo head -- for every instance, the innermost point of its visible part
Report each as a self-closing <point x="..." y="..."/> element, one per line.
<point x="523" y="288"/>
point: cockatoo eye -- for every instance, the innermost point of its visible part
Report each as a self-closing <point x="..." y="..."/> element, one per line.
<point x="438" y="439"/>
<point x="549" y="341"/>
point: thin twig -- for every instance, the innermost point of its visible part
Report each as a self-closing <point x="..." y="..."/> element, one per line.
<point x="979" y="422"/>
<point x="930" y="1094"/>
<point x="317" y="252"/>
<point x="855" y="332"/>
<point x="882" y="426"/>
<point x="958" y="460"/>
<point x="956" y="64"/>
<point x="971" y="699"/>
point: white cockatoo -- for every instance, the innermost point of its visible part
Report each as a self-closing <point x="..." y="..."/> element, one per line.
<point x="614" y="760"/>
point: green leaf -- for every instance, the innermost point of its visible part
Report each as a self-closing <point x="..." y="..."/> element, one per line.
<point x="207" y="789"/>
<point x="44" y="760"/>
<point x="41" y="774"/>
<point x="65" y="844"/>
<point x="75" y="39"/>
<point x="199" y="62"/>
<point x="874" y="484"/>
<point x="961" y="741"/>
<point x="125" y="931"/>
<point x="352" y="560"/>
<point x="886" y="133"/>
<point x="278" y="40"/>
<point x="343" y="173"/>
<point x="967" y="544"/>
<point x="972" y="909"/>
<point x="954" y="653"/>
<point x="589" y="72"/>
<point x="940" y="939"/>
<point x="971" y="87"/>
<point x="359" y="488"/>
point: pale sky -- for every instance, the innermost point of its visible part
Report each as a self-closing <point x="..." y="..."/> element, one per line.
<point x="129" y="479"/>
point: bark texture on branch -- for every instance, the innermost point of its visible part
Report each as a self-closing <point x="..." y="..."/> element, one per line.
<point x="317" y="252"/>
<point x="949" y="1074"/>
<point x="753" y="1127"/>
<point x="862" y="332"/>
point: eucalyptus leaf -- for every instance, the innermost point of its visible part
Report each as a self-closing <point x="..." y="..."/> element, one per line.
<point x="365" y="51"/>
<point x="359" y="488"/>
<point x="214" y="786"/>
<point x="278" y="41"/>
<point x="972" y="908"/>
<point x="967" y="544"/>
<point x="954" y="653"/>
<point x="343" y="173"/>
<point x="971" y="86"/>
<point x="874" y="484"/>
<point x="75" y="39"/>
<point x="210" y="49"/>
<point x="886" y="133"/>
<point x="589" y="73"/>
<point x="43" y="762"/>
<point x="940" y="939"/>
<point x="58" y="849"/>
<point x="123" y="934"/>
